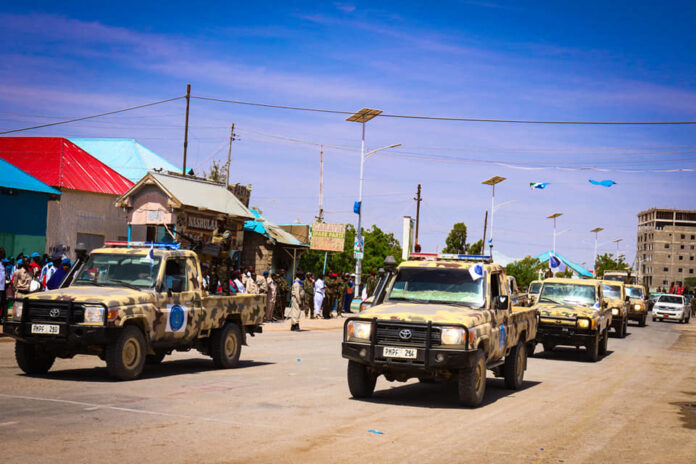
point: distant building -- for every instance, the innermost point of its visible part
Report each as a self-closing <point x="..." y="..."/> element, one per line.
<point x="84" y="212"/>
<point x="268" y="246"/>
<point x="666" y="246"/>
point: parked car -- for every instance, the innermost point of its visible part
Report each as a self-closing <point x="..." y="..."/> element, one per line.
<point x="671" y="307"/>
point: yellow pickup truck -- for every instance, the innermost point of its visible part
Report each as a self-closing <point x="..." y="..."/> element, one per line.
<point x="132" y="306"/>
<point x="443" y="318"/>
<point x="614" y="294"/>
<point x="638" y="304"/>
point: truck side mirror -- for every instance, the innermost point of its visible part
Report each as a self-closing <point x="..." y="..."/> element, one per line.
<point x="501" y="302"/>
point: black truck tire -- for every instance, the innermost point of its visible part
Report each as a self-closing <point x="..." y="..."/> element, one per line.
<point x="621" y="330"/>
<point x="515" y="364"/>
<point x="603" y="343"/>
<point x="361" y="382"/>
<point x="593" y="349"/>
<point x="642" y="320"/>
<point x="32" y="359"/>
<point x="226" y="346"/>
<point x="125" y="357"/>
<point x="471" y="382"/>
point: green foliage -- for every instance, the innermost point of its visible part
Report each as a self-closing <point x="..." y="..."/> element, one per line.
<point x="606" y="262"/>
<point x="567" y="274"/>
<point x="216" y="174"/>
<point x="378" y="245"/>
<point x="476" y="248"/>
<point x="525" y="270"/>
<point x="456" y="240"/>
<point x="690" y="283"/>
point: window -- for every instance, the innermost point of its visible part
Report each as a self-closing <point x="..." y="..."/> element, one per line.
<point x="683" y="236"/>
<point x="691" y="271"/>
<point x="666" y="269"/>
<point x="666" y="245"/>
<point x="680" y="270"/>
<point x="693" y="237"/>
<point x="175" y="269"/>
<point x="680" y="257"/>
<point x="495" y="285"/>
<point x="681" y="247"/>
<point x="691" y="258"/>
<point x="664" y="282"/>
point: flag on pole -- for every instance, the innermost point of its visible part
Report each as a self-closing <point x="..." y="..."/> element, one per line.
<point x="151" y="255"/>
<point x="603" y="183"/>
<point x="538" y="185"/>
<point x="356" y="207"/>
<point x="555" y="264"/>
<point x="476" y="271"/>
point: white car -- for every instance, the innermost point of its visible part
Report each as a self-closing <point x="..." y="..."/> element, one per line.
<point x="671" y="307"/>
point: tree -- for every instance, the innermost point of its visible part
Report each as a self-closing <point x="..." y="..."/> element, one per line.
<point x="476" y="248"/>
<point x="456" y="240"/>
<point x="606" y="262"/>
<point x="525" y="270"/>
<point x="690" y="283"/>
<point x="215" y="173"/>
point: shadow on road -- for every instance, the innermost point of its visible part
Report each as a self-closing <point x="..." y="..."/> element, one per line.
<point x="562" y="353"/>
<point x="440" y="395"/>
<point x="613" y="335"/>
<point x="165" y="369"/>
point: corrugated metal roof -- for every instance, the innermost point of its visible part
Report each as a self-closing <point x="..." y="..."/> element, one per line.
<point x="544" y="258"/>
<point x="12" y="177"/>
<point x="202" y="194"/>
<point x="125" y="156"/>
<point x="263" y="226"/>
<point x="58" y="162"/>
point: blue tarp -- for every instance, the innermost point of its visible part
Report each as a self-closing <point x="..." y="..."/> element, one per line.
<point x="12" y="177"/>
<point x="544" y="258"/>
<point x="262" y="226"/>
<point x="125" y="156"/>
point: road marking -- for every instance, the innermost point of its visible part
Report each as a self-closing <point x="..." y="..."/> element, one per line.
<point x="4" y="424"/>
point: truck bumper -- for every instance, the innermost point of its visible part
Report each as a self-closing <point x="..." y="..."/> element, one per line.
<point x="74" y="336"/>
<point x="637" y="315"/>
<point x="563" y="335"/>
<point x="426" y="360"/>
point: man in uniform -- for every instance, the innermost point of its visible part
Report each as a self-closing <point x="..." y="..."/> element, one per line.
<point x="371" y="283"/>
<point x="308" y="302"/>
<point x="221" y="263"/>
<point x="282" y="298"/>
<point x="296" y="303"/>
<point x="341" y="295"/>
<point x="331" y="294"/>
<point x="261" y="283"/>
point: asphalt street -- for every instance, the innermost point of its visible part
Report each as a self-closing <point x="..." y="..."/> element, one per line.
<point x="289" y="402"/>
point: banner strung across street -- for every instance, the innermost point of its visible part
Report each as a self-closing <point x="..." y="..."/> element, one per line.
<point x="328" y="237"/>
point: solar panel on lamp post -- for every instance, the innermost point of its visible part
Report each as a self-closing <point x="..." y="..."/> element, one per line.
<point x="492" y="182"/>
<point x="596" y="231"/>
<point x="554" y="216"/>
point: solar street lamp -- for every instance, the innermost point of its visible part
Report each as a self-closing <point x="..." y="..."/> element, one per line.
<point x="554" y="216"/>
<point x="596" y="232"/>
<point x="492" y="182"/>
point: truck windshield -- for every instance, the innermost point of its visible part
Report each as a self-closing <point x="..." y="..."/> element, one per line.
<point x="119" y="270"/>
<point x="670" y="299"/>
<point x="615" y="277"/>
<point x="535" y="287"/>
<point x="582" y="295"/>
<point x="635" y="292"/>
<point x="612" y="291"/>
<point x="433" y="285"/>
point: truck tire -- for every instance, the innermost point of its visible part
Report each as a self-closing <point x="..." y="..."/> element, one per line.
<point x="471" y="383"/>
<point x="603" y="343"/>
<point x="515" y="364"/>
<point x="621" y="330"/>
<point x="361" y="382"/>
<point x="642" y="320"/>
<point x="154" y="359"/>
<point x="593" y="349"/>
<point x="32" y="359"/>
<point x="226" y="346"/>
<point x="531" y="346"/>
<point x="125" y="358"/>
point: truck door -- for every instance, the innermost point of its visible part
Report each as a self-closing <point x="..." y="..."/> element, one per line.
<point x="180" y="300"/>
<point x="499" y="317"/>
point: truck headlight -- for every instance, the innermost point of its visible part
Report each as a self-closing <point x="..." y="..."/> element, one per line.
<point x="358" y="330"/>
<point x="614" y="311"/>
<point x="94" y="314"/>
<point x="584" y="323"/>
<point x="16" y="310"/>
<point x="637" y="307"/>
<point x="452" y="335"/>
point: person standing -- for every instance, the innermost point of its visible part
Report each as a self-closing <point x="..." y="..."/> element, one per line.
<point x="340" y="293"/>
<point x="371" y="283"/>
<point x="261" y="283"/>
<point x="350" y="289"/>
<point x="250" y="283"/>
<point x="221" y="263"/>
<point x="308" y="301"/>
<point x="270" y="297"/>
<point x="319" y="290"/>
<point x="283" y="293"/>
<point x="238" y="282"/>
<point x="296" y="302"/>
<point x="21" y="284"/>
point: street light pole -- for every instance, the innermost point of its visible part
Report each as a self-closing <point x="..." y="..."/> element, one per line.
<point x="554" y="216"/>
<point x="492" y="181"/>
<point x="596" y="231"/>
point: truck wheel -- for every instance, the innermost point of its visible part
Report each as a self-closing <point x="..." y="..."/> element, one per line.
<point x="226" y="346"/>
<point x="32" y="359"/>
<point x="531" y="346"/>
<point x="471" y="383"/>
<point x="593" y="349"/>
<point x="603" y="343"/>
<point x="125" y="358"/>
<point x="621" y="330"/>
<point x="154" y="359"/>
<point x="361" y="382"/>
<point x="549" y="347"/>
<point x="642" y="321"/>
<point x="515" y="364"/>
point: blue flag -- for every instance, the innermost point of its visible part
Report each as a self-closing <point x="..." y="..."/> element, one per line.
<point x="356" y="207"/>
<point x="603" y="183"/>
<point x="538" y="185"/>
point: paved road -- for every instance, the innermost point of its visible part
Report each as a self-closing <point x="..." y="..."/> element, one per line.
<point x="289" y="403"/>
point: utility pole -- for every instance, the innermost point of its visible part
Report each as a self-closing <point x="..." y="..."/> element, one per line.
<point x="229" y="154"/>
<point x="485" y="226"/>
<point x="418" y="202"/>
<point x="320" y="216"/>
<point x="188" y="101"/>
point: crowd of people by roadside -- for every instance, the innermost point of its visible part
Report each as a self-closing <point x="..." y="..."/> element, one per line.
<point x="674" y="289"/>
<point x="29" y="273"/>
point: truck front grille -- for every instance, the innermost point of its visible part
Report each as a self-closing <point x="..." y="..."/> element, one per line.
<point x="53" y="311"/>
<point x="390" y="334"/>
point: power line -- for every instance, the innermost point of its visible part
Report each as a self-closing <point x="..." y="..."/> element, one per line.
<point x="446" y="118"/>
<point x="90" y="117"/>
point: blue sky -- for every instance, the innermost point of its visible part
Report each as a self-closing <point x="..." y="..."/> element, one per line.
<point x="489" y="59"/>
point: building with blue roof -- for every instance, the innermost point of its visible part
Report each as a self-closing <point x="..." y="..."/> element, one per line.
<point x="125" y="156"/>
<point x="24" y="200"/>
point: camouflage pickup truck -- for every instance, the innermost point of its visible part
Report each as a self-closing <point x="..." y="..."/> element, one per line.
<point x="572" y="312"/>
<point x="440" y="318"/>
<point x="614" y="294"/>
<point x="132" y="306"/>
<point x="638" y="304"/>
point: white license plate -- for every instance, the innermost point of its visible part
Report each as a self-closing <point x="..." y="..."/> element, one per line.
<point x="404" y="353"/>
<point x="48" y="329"/>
